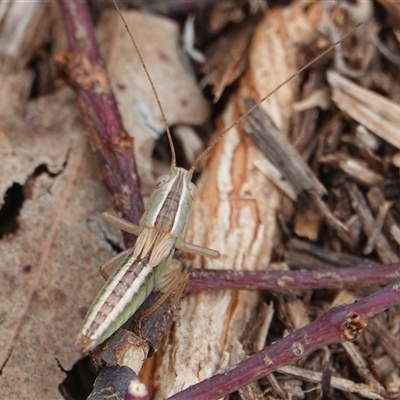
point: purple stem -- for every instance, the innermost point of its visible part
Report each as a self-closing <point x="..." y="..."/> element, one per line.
<point x="84" y="70"/>
<point x="334" y="278"/>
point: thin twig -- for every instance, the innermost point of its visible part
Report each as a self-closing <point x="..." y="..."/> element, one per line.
<point x="333" y="278"/>
<point x="83" y="68"/>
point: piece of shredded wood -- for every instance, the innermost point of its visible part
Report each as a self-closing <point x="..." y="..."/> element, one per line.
<point x="268" y="136"/>
<point x="273" y="173"/>
<point x="337" y="383"/>
<point x="318" y="258"/>
<point x="254" y="340"/>
<point x="251" y="392"/>
<point x="354" y="167"/>
<point x="233" y="213"/>
<point x="396" y="160"/>
<point x="375" y="112"/>
<point x="318" y="98"/>
<point x="387" y="340"/>
<point x="303" y="135"/>
<point x="262" y="129"/>
<point x="253" y="389"/>
<point x="361" y="366"/>
<point x="367" y="139"/>
<point x="358" y="170"/>
<point x="395" y="231"/>
<point x="386" y="254"/>
<point x="353" y="224"/>
<point x="383" y="366"/>
<point x="379" y="221"/>
<point x="307" y="222"/>
<point x="378" y="204"/>
<point x="266" y="314"/>
<point x="344" y="297"/>
<point x="385" y="369"/>
<point x="392" y="384"/>
<point x="280" y="391"/>
<point x="297" y="314"/>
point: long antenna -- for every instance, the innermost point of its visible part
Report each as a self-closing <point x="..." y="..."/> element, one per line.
<point x="171" y="144"/>
<point x="221" y="135"/>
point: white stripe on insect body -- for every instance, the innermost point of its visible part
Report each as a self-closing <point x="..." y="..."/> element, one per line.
<point x="168" y="209"/>
<point x="113" y="298"/>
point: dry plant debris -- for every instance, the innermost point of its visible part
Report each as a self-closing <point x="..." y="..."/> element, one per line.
<point x="319" y="211"/>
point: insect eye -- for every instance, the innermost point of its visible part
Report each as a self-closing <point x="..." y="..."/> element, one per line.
<point x="161" y="180"/>
<point x="192" y="190"/>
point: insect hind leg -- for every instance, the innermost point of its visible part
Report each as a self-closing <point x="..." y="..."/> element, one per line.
<point x="111" y="264"/>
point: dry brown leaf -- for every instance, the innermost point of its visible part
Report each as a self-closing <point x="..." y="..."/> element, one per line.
<point x="49" y="266"/>
<point x="44" y="154"/>
<point x="179" y="94"/>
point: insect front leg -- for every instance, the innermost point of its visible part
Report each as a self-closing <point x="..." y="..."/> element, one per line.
<point x="125" y="226"/>
<point x="121" y="223"/>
